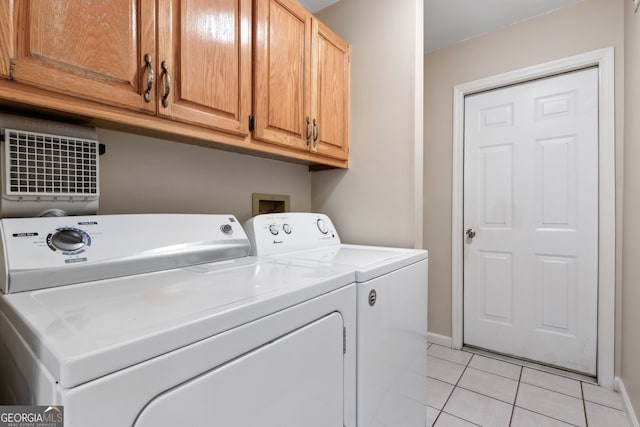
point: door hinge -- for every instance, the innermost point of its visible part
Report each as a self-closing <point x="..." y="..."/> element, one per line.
<point x="12" y="67"/>
<point x="252" y="123"/>
<point x="344" y="340"/>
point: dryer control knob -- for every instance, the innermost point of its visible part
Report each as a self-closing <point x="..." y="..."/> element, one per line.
<point x="274" y="229"/>
<point x="286" y="228"/>
<point x="322" y="226"/>
<point x="68" y="240"/>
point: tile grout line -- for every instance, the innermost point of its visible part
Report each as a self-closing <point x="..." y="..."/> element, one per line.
<point x="546" y="415"/>
<point x="598" y="403"/>
<point x="556" y="391"/>
<point x="559" y="372"/>
<point x="499" y="375"/>
<point x="515" y="398"/>
<point x="603" y="405"/>
<point x="451" y="394"/>
<point x="519" y="382"/>
<point x="584" y="405"/>
<point x="486" y="395"/>
<point x="457" y="385"/>
<point x="536" y="412"/>
<point x="449" y="360"/>
<point x="468" y="366"/>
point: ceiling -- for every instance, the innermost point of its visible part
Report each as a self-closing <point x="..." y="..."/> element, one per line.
<point x="450" y="21"/>
<point x="315" y="5"/>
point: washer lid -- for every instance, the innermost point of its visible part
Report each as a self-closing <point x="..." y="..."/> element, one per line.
<point x="369" y="262"/>
<point x="84" y="331"/>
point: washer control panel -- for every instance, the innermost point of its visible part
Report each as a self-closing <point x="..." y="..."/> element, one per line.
<point x="322" y="226"/>
<point x="52" y="251"/>
<point x="69" y="240"/>
<point x="285" y="232"/>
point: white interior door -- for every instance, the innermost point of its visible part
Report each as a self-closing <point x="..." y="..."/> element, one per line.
<point x="531" y="198"/>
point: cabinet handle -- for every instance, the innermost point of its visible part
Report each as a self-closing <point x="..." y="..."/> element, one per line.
<point x="316" y="132"/>
<point x="167" y="84"/>
<point x="308" y="131"/>
<point x="150" y="76"/>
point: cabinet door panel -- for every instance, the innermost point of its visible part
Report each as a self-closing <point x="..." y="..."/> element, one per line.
<point x="91" y="49"/>
<point x="207" y="50"/>
<point x="332" y="102"/>
<point x="6" y="34"/>
<point x="282" y="72"/>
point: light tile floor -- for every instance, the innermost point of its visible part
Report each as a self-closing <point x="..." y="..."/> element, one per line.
<point x="466" y="389"/>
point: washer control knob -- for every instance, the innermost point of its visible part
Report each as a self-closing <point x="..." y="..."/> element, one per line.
<point x="226" y="229"/>
<point x="286" y="228"/>
<point x="68" y="240"/>
<point x="322" y="226"/>
<point x="274" y="229"/>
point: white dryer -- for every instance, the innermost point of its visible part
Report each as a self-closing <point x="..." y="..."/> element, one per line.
<point x="163" y="320"/>
<point x="391" y="310"/>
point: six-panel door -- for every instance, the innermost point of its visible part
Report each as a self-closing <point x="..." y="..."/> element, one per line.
<point x="531" y="198"/>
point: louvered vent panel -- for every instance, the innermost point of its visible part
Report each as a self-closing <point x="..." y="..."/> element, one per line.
<point x="50" y="165"/>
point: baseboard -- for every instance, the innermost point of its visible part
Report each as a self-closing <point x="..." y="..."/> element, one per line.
<point x="439" y="339"/>
<point x="628" y="408"/>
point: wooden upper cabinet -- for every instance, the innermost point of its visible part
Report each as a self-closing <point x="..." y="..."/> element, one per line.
<point x="6" y="37"/>
<point x="301" y="69"/>
<point x="204" y="59"/>
<point x="282" y="92"/>
<point x="330" y="106"/>
<point x="193" y="68"/>
<point x="90" y="49"/>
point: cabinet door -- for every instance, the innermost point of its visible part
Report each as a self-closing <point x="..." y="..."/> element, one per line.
<point x="204" y="51"/>
<point x="6" y="33"/>
<point x="331" y="94"/>
<point x="91" y="49"/>
<point x="282" y="73"/>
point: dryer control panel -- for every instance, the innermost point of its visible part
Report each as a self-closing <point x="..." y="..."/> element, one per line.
<point x="53" y="251"/>
<point x="280" y="233"/>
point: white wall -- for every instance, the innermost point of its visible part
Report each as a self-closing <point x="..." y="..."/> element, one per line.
<point x="630" y="369"/>
<point x="379" y="199"/>
<point x="139" y="174"/>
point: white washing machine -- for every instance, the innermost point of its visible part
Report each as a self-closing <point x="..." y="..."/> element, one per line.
<point x="87" y="321"/>
<point x="391" y="310"/>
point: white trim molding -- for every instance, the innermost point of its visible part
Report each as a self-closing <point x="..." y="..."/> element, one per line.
<point x="604" y="60"/>
<point x="626" y="403"/>
<point x="439" y="339"/>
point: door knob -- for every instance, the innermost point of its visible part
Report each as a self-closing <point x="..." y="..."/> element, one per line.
<point x="470" y="233"/>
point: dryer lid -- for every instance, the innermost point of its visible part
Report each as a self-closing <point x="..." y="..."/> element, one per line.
<point x="85" y="331"/>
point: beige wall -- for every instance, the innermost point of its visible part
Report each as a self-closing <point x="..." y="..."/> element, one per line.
<point x="140" y="174"/>
<point x="583" y="27"/>
<point x="379" y="199"/>
<point x="630" y="370"/>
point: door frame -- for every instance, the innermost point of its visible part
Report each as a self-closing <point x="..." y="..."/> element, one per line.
<point x="604" y="60"/>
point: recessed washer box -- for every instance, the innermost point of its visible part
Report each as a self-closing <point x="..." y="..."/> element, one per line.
<point x="269" y="203"/>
